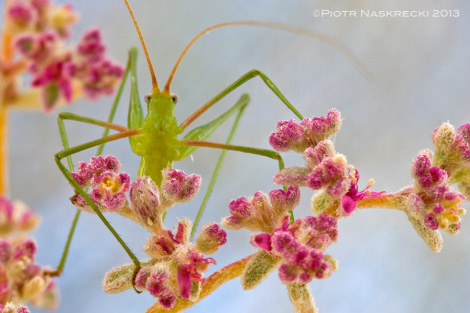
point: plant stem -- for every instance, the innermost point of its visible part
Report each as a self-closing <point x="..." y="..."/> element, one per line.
<point x="3" y="149"/>
<point x="209" y="285"/>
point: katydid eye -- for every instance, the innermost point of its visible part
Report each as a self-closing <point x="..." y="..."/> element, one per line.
<point x="147" y="98"/>
<point x="174" y="98"/>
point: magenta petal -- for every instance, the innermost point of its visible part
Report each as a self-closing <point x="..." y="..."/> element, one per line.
<point x="262" y="241"/>
<point x="184" y="283"/>
<point x="65" y="87"/>
<point x="348" y="204"/>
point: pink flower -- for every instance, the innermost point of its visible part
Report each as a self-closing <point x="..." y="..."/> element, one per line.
<point x="145" y="199"/>
<point x="178" y="261"/>
<point x="109" y="186"/>
<point x="15" y="216"/>
<point x="432" y="201"/>
<point x="300" y="247"/>
<point x="348" y="201"/>
<point x="21" y="279"/>
<point x="22" y="14"/>
<point x="262" y="212"/>
<point x="179" y="187"/>
<point x="291" y="135"/>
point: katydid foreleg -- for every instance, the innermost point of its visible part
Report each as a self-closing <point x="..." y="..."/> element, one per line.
<point x="108" y="125"/>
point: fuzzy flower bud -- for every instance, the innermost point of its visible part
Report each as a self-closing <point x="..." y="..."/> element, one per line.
<point x="260" y="212"/>
<point x="145" y="199"/>
<point x="296" y="249"/>
<point x="453" y="154"/>
<point x="176" y="268"/>
<point x="432" y="201"/>
<point x="210" y="238"/>
<point x="15" y="216"/>
<point x="22" y="279"/>
<point x="297" y="137"/>
<point x="179" y="187"/>
<point x="324" y="170"/>
<point x="10" y="307"/>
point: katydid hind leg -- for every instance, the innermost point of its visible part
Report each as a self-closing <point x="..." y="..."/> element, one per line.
<point x="243" y="79"/>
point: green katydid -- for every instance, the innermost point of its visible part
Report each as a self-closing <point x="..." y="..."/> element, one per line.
<point x="155" y="137"/>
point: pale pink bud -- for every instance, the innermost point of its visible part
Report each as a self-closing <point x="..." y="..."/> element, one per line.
<point x="313" y="156"/>
<point x="21" y="14"/>
<point x="26" y="249"/>
<point x="287" y="274"/>
<point x="241" y="208"/>
<point x="431" y="222"/>
<point x="145" y="198"/>
<point x="5" y="251"/>
<point x="179" y="187"/>
<point x="285" y="200"/>
<point x="210" y="238"/>
<point x="296" y="175"/>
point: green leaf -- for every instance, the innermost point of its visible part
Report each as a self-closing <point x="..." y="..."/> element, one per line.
<point x="258" y="268"/>
<point x="301" y="298"/>
<point x="431" y="237"/>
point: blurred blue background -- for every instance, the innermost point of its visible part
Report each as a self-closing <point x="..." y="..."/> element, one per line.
<point x="420" y="69"/>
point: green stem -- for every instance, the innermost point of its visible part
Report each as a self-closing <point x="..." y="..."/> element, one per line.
<point x="216" y="172"/>
<point x="3" y="149"/>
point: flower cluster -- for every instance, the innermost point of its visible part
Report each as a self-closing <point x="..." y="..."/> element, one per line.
<point x="55" y="69"/>
<point x="300" y="247"/>
<point x="291" y="135"/>
<point x="10" y="307"/>
<point x="296" y="249"/>
<point x="433" y="202"/>
<point x="21" y="279"/>
<point x="15" y="217"/>
<point x="175" y="269"/>
<point x="147" y="202"/>
<point x="260" y="213"/>
<point x="39" y="29"/>
<point x="452" y="154"/>
<point x="179" y="259"/>
<point x="176" y="266"/>
<point x="108" y="185"/>
<point x="38" y="15"/>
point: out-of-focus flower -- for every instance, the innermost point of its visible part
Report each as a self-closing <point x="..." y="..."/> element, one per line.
<point x="10" y="307"/>
<point x="15" y="216"/>
<point x="21" y="280"/>
<point x="38" y="30"/>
